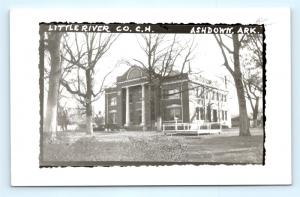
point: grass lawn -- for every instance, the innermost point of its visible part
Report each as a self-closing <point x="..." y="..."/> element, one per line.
<point x="226" y="149"/>
<point x="155" y="147"/>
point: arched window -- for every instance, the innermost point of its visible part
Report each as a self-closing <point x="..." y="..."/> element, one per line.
<point x="134" y="73"/>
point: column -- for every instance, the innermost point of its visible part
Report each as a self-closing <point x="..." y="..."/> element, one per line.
<point x="127" y="108"/>
<point x="143" y="106"/>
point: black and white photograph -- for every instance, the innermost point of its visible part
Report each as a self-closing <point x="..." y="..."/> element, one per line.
<point x="129" y="94"/>
<point x="138" y="97"/>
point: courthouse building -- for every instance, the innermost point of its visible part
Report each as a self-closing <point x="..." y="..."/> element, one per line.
<point x="132" y="105"/>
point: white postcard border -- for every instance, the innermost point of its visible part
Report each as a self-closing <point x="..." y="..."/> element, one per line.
<point x="24" y="83"/>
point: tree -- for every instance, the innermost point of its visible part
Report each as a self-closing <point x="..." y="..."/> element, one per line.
<point x="252" y="89"/>
<point x="163" y="53"/>
<point x="233" y="55"/>
<point x="52" y="45"/>
<point x="64" y="72"/>
<point x="83" y="52"/>
<point x="252" y="61"/>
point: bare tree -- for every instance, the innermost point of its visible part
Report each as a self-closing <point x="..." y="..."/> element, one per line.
<point x="252" y="60"/>
<point x="252" y="89"/>
<point x="65" y="70"/>
<point x="52" y="45"/>
<point x="163" y="54"/>
<point x="232" y="54"/>
<point x="84" y="50"/>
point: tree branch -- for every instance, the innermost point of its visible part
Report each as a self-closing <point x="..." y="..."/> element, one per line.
<point x="69" y="89"/>
<point x="224" y="55"/>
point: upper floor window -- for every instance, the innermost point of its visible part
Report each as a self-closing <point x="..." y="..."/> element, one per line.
<point x="172" y="93"/>
<point x="199" y="92"/>
<point x="202" y="92"/>
<point x="113" y="101"/>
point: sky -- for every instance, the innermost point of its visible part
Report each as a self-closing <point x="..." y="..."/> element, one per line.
<point x="207" y="59"/>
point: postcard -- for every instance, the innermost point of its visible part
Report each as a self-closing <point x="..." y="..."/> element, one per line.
<point x="150" y="97"/>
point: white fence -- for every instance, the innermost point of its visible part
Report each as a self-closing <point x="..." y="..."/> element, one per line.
<point x="198" y="128"/>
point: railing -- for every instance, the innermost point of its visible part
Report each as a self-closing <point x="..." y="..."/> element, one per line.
<point x="206" y="127"/>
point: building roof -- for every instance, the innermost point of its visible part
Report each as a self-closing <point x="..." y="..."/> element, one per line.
<point x="137" y="74"/>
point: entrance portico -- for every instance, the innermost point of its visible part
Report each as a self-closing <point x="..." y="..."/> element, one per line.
<point x="135" y="107"/>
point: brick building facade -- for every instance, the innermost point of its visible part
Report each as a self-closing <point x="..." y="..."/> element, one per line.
<point x="132" y="104"/>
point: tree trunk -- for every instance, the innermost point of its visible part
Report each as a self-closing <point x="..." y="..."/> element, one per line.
<point x="55" y="72"/>
<point x="244" y="121"/>
<point x="255" y="112"/>
<point x="158" y="109"/>
<point x="89" y="114"/>
<point x="253" y="107"/>
<point x="149" y="103"/>
<point x="89" y="119"/>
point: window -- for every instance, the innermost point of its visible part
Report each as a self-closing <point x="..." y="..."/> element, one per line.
<point x="199" y="92"/>
<point x="112" y="117"/>
<point x="131" y="116"/>
<point x="113" y="101"/>
<point x="172" y="112"/>
<point x="208" y="114"/>
<point x="130" y="98"/>
<point x="196" y="91"/>
<point x="200" y="101"/>
<point x="199" y="113"/>
<point x="215" y="115"/>
<point x="225" y="115"/>
<point x="139" y="94"/>
<point x="172" y="94"/>
<point x="139" y="116"/>
<point x="202" y="115"/>
<point x="225" y="98"/>
<point x="202" y="92"/>
<point x="134" y="73"/>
